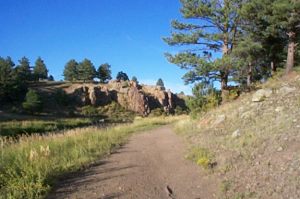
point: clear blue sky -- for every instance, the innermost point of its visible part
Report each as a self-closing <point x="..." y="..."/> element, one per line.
<point x="125" y="33"/>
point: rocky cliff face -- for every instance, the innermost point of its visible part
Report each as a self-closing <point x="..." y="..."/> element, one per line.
<point x="138" y="98"/>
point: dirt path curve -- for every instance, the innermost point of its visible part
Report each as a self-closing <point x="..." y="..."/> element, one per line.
<point x="150" y="164"/>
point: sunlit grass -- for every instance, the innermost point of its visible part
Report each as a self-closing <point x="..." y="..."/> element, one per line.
<point x="13" y="128"/>
<point x="29" y="167"/>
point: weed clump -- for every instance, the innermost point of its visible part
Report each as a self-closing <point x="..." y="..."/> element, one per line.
<point x="202" y="157"/>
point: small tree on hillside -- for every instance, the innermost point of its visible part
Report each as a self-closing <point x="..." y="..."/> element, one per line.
<point x="86" y="70"/>
<point x="104" y="73"/>
<point x="32" y="102"/>
<point x="122" y="76"/>
<point x="134" y="79"/>
<point x="71" y="70"/>
<point x="51" y="78"/>
<point x="160" y="83"/>
<point x="40" y="70"/>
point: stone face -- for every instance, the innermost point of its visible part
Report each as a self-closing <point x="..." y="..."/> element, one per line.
<point x="130" y="95"/>
<point x="261" y="94"/>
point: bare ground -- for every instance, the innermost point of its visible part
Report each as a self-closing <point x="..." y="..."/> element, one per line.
<point x="151" y="165"/>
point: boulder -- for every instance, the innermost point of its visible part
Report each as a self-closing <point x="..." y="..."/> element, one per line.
<point x="286" y="90"/>
<point x="220" y="119"/>
<point x="261" y="94"/>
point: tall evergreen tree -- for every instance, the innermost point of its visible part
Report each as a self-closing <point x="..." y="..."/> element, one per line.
<point x="160" y="83"/>
<point x="71" y="70"/>
<point x="213" y="28"/>
<point x="23" y="69"/>
<point x="104" y="73"/>
<point x="6" y="77"/>
<point x="40" y="70"/>
<point x="286" y="17"/>
<point x="86" y="70"/>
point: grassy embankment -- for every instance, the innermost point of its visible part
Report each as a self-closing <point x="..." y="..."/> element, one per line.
<point x="246" y="145"/>
<point x="14" y="128"/>
<point x="29" y="167"/>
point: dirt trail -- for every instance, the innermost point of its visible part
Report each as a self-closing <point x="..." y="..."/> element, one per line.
<point x="149" y="165"/>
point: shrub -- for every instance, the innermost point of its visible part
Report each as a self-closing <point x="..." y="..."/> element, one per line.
<point x="89" y="111"/>
<point x="202" y="157"/>
<point x="32" y="102"/>
<point x="61" y="97"/>
<point x="157" y="112"/>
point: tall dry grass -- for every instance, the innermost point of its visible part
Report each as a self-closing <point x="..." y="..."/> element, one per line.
<point x="29" y="167"/>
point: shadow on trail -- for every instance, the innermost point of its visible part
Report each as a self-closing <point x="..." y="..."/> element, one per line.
<point x="96" y="173"/>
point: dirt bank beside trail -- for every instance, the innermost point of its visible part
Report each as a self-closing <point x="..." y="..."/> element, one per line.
<point x="151" y="165"/>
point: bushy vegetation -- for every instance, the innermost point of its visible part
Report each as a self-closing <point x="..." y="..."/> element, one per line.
<point x="253" y="37"/>
<point x="14" y="80"/>
<point x="28" y="168"/>
<point x="33" y="103"/>
<point x="204" y="98"/>
<point x="201" y="156"/>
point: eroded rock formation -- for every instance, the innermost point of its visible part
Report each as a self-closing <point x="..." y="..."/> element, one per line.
<point x="138" y="98"/>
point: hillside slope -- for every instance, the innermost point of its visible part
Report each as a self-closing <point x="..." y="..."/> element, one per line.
<point x="252" y="144"/>
<point x="141" y="99"/>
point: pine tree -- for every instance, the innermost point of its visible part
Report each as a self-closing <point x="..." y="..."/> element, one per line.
<point x="134" y="78"/>
<point x="86" y="70"/>
<point x="160" y="83"/>
<point x="214" y="27"/>
<point x="23" y="70"/>
<point x="122" y="76"/>
<point x="32" y="102"/>
<point x="104" y="73"/>
<point x="71" y="70"/>
<point x="40" y="70"/>
<point x="286" y="17"/>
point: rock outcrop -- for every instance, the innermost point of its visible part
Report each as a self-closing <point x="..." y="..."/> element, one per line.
<point x="138" y="98"/>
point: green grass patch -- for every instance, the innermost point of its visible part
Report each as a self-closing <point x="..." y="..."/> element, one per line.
<point x="29" y="167"/>
<point x="202" y="156"/>
<point x="13" y="128"/>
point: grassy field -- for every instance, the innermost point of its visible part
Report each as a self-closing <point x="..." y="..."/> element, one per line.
<point x="13" y="128"/>
<point x="29" y="167"/>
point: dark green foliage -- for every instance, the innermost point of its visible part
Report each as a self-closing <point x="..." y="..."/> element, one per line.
<point x="61" y="97"/>
<point x="157" y="112"/>
<point x="122" y="76"/>
<point x="89" y="111"/>
<point x="86" y="70"/>
<point x="32" y="103"/>
<point x="213" y="28"/>
<point x="23" y="70"/>
<point x="134" y="78"/>
<point x="104" y="73"/>
<point x="12" y="86"/>
<point x="50" y="78"/>
<point x="160" y="83"/>
<point x="71" y="70"/>
<point x="204" y="98"/>
<point x="40" y="70"/>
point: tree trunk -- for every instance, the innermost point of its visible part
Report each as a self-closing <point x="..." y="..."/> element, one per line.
<point x="249" y="75"/>
<point x="273" y="68"/>
<point x="224" y="80"/>
<point x="291" y="53"/>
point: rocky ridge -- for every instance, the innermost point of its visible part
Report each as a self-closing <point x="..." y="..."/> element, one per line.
<point x="130" y="95"/>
